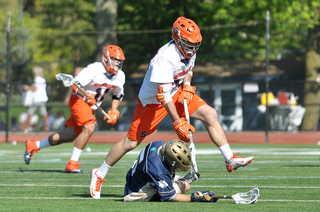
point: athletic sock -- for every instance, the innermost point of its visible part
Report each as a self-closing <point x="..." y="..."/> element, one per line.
<point x="43" y="143"/>
<point x="226" y="152"/>
<point x="76" y="154"/>
<point x="103" y="170"/>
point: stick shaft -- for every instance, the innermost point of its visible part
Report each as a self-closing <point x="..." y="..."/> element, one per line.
<point x="221" y="197"/>
<point x="192" y="146"/>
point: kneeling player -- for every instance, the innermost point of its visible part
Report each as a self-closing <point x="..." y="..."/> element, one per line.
<point x="150" y="178"/>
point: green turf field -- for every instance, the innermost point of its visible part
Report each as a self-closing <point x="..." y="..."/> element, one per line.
<point x="288" y="177"/>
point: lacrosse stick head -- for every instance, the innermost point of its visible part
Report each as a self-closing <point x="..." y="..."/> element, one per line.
<point x="249" y="197"/>
<point x="66" y="79"/>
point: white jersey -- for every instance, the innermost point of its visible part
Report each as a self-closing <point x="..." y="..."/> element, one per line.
<point x="167" y="66"/>
<point x="40" y="95"/>
<point x="94" y="80"/>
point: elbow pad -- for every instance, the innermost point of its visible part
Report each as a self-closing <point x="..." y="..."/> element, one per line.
<point x="74" y="89"/>
<point x="120" y="98"/>
<point x="163" y="95"/>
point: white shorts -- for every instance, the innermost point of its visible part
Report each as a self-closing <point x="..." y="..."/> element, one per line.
<point x="143" y="195"/>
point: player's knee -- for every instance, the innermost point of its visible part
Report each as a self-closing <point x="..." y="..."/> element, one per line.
<point x="209" y="114"/>
<point x="89" y="128"/>
<point x="130" y="144"/>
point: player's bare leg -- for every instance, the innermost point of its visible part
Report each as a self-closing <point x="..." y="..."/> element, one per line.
<point x="120" y="149"/>
<point x="209" y="116"/>
<point x="80" y="143"/>
<point x="114" y="155"/>
<point x="63" y="136"/>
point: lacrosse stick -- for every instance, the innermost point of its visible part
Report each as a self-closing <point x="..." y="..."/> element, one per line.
<point x="249" y="197"/>
<point x="194" y="167"/>
<point x="67" y="81"/>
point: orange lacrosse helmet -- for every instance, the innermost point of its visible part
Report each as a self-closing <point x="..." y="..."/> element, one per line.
<point x="113" y="58"/>
<point x="187" y="36"/>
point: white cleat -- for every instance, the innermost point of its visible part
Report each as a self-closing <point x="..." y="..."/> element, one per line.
<point x="95" y="186"/>
<point x="236" y="162"/>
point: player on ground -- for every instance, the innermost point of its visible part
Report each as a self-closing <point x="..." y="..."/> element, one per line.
<point x="166" y="84"/>
<point x="98" y="80"/>
<point x="151" y="177"/>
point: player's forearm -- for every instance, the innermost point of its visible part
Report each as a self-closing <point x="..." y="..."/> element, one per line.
<point x="187" y="79"/>
<point x="115" y="104"/>
<point x="183" y="198"/>
<point x="172" y="111"/>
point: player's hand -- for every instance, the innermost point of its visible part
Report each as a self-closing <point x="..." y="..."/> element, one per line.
<point x="187" y="93"/>
<point x="91" y="100"/>
<point x="182" y="128"/>
<point x="114" y="115"/>
<point x="203" y="196"/>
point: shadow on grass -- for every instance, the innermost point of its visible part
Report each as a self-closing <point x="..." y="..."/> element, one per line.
<point x="116" y="196"/>
<point x="39" y="170"/>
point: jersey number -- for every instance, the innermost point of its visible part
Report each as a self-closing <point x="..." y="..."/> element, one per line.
<point x="101" y="93"/>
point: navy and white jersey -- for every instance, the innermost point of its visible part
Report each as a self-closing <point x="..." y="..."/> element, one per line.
<point x="149" y="169"/>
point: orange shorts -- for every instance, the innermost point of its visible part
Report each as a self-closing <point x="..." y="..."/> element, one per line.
<point x="146" y="119"/>
<point x="81" y="114"/>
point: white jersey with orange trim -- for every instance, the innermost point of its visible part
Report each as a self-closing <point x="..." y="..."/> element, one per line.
<point x="94" y="80"/>
<point x="167" y="66"/>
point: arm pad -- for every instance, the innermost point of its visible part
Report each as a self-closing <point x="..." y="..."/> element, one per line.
<point x="117" y="98"/>
<point x="163" y="95"/>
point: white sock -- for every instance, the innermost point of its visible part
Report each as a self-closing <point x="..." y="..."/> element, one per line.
<point x="103" y="170"/>
<point x="43" y="143"/>
<point x="226" y="152"/>
<point x="76" y="154"/>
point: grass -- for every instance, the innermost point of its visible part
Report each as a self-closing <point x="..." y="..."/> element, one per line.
<point x="288" y="177"/>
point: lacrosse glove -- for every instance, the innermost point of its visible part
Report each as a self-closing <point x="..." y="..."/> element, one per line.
<point x="114" y="115"/>
<point x="182" y="128"/>
<point x="203" y="196"/>
<point x="187" y="93"/>
<point x="90" y="100"/>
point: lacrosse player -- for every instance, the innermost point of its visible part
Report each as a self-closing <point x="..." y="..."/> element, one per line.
<point x="166" y="84"/>
<point x="97" y="80"/>
<point x="151" y="176"/>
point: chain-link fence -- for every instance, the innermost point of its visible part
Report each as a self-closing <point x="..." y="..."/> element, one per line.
<point x="237" y="102"/>
<point x="240" y="105"/>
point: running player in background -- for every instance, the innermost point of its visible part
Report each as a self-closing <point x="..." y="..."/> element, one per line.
<point x="151" y="177"/>
<point x="98" y="80"/>
<point x="167" y="82"/>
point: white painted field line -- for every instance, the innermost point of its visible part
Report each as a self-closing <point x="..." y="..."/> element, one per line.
<point x="88" y="198"/>
<point x="213" y="151"/>
<point x="198" y="186"/>
<point x="286" y="200"/>
<point x="117" y="198"/>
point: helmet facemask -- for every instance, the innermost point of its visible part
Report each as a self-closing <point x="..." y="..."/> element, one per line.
<point x="188" y="48"/>
<point x="113" y="64"/>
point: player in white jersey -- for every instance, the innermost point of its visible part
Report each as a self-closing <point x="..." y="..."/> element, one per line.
<point x="165" y="86"/>
<point x="98" y="80"/>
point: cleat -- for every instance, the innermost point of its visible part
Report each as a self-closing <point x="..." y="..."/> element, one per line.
<point x="95" y="186"/>
<point x="235" y="162"/>
<point x="73" y="167"/>
<point x="31" y="149"/>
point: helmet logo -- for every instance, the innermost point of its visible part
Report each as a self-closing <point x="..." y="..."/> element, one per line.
<point x="105" y="51"/>
<point x="176" y="30"/>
